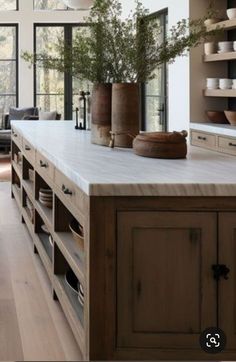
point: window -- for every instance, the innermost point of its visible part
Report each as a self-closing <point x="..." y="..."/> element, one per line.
<point x="54" y="90"/>
<point x="8" y="66"/>
<point x="49" y="5"/>
<point x="154" y="93"/>
<point x="8" y="5"/>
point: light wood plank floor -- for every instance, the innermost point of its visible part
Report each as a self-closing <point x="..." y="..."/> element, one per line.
<point x="32" y="325"/>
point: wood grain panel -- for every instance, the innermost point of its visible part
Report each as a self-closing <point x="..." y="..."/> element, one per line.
<point x="166" y="293"/>
<point x="227" y="288"/>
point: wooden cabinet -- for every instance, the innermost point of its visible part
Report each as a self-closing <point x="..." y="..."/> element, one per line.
<point x="227" y="288"/>
<point x="145" y="265"/>
<point x="203" y="139"/>
<point x="215" y="142"/>
<point x="167" y="294"/>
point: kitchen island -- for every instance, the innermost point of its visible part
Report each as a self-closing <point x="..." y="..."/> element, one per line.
<point x="153" y="230"/>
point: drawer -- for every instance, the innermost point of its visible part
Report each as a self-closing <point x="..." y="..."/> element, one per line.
<point x="44" y="166"/>
<point x="227" y="145"/>
<point x="203" y="139"/>
<point x="28" y="150"/>
<point x="69" y="191"/>
<point x="17" y="138"/>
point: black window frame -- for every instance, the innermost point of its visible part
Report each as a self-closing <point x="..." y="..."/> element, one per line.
<point x="16" y="60"/>
<point x="164" y="14"/>
<point x="68" y="79"/>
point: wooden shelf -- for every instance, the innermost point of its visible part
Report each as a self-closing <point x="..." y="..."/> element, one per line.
<point x="72" y="310"/>
<point x="71" y="252"/>
<point x="44" y="256"/>
<point x="17" y="168"/>
<point x="219" y="93"/>
<point x="17" y="194"/>
<point x="219" y="57"/>
<point x="226" y="25"/>
<point x="29" y="188"/>
<point x="44" y="238"/>
<point x="45" y="213"/>
<point x="29" y="224"/>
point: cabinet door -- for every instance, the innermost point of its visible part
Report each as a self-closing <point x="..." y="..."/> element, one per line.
<point x="166" y="294"/>
<point x="227" y="288"/>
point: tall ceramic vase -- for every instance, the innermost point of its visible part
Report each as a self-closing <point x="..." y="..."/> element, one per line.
<point x="101" y="114"/>
<point x="125" y="113"/>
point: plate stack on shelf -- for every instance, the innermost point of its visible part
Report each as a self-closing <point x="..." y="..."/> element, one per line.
<point x="30" y="208"/>
<point x="46" y="197"/>
<point x="81" y="294"/>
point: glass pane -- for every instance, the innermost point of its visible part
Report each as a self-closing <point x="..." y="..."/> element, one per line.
<point x="8" y="5"/>
<point x="6" y="102"/>
<point x="49" y="5"/>
<point x="46" y="36"/>
<point x="7" y="42"/>
<point x="49" y="81"/>
<point x="8" y="77"/>
<point x="51" y="103"/>
<point x="156" y="89"/>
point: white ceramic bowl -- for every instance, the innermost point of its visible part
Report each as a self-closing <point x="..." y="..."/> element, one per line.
<point x="231" y="13"/>
<point x="225" y="83"/>
<point x="208" y="22"/>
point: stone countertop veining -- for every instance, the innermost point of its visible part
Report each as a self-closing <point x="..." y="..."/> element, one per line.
<point x="101" y="171"/>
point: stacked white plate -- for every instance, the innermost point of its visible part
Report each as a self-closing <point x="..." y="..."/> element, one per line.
<point x="225" y="46"/>
<point x="46" y="197"/>
<point x="212" y="83"/>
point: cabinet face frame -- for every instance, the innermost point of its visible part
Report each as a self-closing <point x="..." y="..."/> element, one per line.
<point x="227" y="288"/>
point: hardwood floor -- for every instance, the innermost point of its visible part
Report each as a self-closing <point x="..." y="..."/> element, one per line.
<point x="32" y="325"/>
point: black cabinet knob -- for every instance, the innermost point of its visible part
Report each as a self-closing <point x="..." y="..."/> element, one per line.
<point x="220" y="271"/>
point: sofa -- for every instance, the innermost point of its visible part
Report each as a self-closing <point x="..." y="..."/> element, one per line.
<point x="31" y="113"/>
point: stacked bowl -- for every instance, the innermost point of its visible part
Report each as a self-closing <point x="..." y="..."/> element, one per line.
<point x="212" y="83"/>
<point x="225" y="46"/>
<point x="46" y="197"/>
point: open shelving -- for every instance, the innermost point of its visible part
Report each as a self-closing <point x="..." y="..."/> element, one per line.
<point x="62" y="253"/>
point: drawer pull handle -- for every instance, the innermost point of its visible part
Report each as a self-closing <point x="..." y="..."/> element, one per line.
<point x="66" y="190"/>
<point x="43" y="164"/>
<point x="27" y="148"/>
<point x="202" y="138"/>
<point x="232" y="144"/>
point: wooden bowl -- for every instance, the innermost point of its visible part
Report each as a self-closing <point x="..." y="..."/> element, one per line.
<point x="231" y="117"/>
<point x="167" y="145"/>
<point x="77" y="232"/>
<point x="217" y="117"/>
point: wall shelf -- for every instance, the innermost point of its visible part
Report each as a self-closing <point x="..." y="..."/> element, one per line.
<point x="219" y="93"/>
<point x="219" y="57"/>
<point x="226" y="25"/>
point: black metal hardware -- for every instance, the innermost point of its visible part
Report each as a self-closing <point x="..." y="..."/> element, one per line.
<point x="66" y="190"/>
<point x="27" y="148"/>
<point x="43" y="164"/>
<point x="220" y="270"/>
<point x="202" y="138"/>
<point x="232" y="144"/>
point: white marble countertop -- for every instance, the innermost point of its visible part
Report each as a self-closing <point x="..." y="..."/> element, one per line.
<point x="101" y="171"/>
<point x="221" y="129"/>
